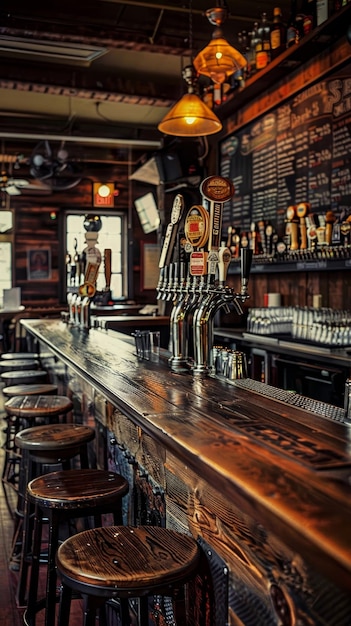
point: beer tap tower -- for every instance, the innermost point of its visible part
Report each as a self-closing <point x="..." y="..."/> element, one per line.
<point x="196" y="280"/>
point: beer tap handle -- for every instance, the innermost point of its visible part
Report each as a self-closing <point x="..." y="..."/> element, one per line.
<point x="171" y="231"/>
<point x="330" y="219"/>
<point x="302" y="210"/>
<point x="165" y="282"/>
<point x="224" y="258"/>
<point x="246" y="260"/>
<point x="160" y="283"/>
<point x="215" y="190"/>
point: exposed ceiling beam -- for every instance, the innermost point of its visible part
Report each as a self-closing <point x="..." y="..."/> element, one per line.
<point x="106" y="141"/>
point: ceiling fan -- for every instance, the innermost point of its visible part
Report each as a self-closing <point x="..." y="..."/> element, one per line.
<point x="55" y="165"/>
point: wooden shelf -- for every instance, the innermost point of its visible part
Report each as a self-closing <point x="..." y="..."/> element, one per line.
<point x="292" y="265"/>
<point x="311" y="45"/>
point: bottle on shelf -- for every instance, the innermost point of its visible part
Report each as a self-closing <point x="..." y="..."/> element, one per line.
<point x="263" y="44"/>
<point x="309" y="12"/>
<point x="252" y="49"/>
<point x="278" y="33"/>
<point x="238" y="78"/>
<point x="245" y="49"/>
<point x="292" y="35"/>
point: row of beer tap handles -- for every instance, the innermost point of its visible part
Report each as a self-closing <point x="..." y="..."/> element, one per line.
<point x="305" y="232"/>
<point x="193" y="256"/>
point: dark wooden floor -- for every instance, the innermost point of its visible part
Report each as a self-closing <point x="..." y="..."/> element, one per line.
<point x="10" y="615"/>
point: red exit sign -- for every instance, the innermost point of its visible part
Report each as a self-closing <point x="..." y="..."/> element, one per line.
<point x="103" y="194"/>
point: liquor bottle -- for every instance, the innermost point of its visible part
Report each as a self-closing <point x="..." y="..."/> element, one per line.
<point x="245" y="49"/>
<point x="252" y="49"/>
<point x="263" y="45"/>
<point x="278" y="33"/>
<point x="309" y="11"/>
<point x="238" y="78"/>
<point x="292" y="32"/>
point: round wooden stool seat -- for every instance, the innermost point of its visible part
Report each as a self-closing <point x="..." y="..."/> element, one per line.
<point x="55" y="441"/>
<point x="13" y="365"/>
<point x="61" y="496"/>
<point x="124" y="562"/>
<point x="22" y="412"/>
<point x="77" y="489"/>
<point x="9" y="356"/>
<point x="38" y="389"/>
<point x="23" y="377"/>
<point x="29" y="407"/>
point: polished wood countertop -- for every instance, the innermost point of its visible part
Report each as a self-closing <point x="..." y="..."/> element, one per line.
<point x="287" y="467"/>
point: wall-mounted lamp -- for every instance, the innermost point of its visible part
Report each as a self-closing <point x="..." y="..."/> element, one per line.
<point x="190" y="116"/>
<point x="219" y="59"/>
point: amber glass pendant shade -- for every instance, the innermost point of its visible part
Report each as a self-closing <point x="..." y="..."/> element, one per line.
<point x="219" y="59"/>
<point x="190" y="116"/>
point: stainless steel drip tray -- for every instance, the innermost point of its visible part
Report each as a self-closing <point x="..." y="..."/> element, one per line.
<point x="291" y="440"/>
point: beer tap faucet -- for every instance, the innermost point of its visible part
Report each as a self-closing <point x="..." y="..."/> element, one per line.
<point x="246" y="260"/>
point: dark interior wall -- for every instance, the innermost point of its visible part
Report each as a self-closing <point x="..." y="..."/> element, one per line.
<point x="296" y="287"/>
<point x="38" y="225"/>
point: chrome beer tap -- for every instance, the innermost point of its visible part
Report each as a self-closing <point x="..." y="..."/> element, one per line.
<point x="179" y="324"/>
<point x="218" y="297"/>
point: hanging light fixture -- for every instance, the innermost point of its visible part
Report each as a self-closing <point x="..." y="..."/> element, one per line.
<point x="190" y="116"/>
<point x="219" y="59"/>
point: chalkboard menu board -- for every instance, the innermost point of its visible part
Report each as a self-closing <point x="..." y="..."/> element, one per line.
<point x="298" y="152"/>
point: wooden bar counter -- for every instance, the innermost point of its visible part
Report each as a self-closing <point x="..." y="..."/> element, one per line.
<point x="264" y="484"/>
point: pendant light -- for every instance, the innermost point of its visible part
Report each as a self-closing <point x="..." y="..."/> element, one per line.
<point x="190" y="116"/>
<point x="219" y="59"/>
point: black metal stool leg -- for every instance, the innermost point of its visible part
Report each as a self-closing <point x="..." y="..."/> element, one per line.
<point x="125" y="612"/>
<point x="26" y="550"/>
<point x="65" y="604"/>
<point x="34" y="576"/>
<point x="51" y="574"/>
<point x="89" y="618"/>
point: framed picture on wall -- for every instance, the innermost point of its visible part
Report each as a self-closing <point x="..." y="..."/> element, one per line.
<point x="39" y="264"/>
<point x="150" y="255"/>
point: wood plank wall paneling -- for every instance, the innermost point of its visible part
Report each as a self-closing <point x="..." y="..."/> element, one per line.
<point x="298" y="288"/>
<point x="34" y="229"/>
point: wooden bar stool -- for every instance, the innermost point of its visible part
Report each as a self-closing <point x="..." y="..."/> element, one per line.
<point x="60" y="497"/>
<point x="125" y="562"/>
<point x="12" y="365"/>
<point x="23" y="411"/>
<point x="19" y="355"/>
<point x="46" y="447"/>
<point x="23" y="377"/>
<point x="37" y="389"/>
